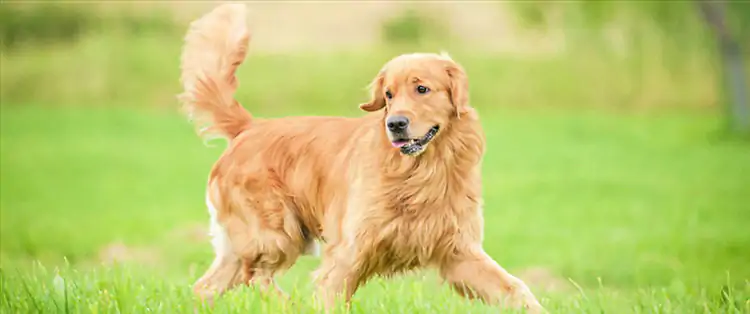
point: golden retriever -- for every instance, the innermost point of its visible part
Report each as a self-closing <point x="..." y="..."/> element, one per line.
<point x="395" y="190"/>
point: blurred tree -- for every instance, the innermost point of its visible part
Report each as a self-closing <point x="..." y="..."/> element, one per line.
<point x="41" y="22"/>
<point x="412" y="27"/>
<point x="672" y="33"/>
<point x="714" y="13"/>
<point x="46" y="22"/>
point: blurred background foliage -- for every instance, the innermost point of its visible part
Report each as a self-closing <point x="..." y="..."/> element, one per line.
<point x="50" y="22"/>
<point x="619" y="54"/>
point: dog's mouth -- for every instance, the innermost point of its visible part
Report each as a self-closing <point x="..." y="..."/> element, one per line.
<point x="415" y="146"/>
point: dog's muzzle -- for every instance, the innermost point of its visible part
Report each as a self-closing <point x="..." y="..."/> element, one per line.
<point x="414" y="146"/>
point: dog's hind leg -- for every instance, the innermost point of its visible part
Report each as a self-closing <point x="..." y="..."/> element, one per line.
<point x="262" y="279"/>
<point x="225" y="271"/>
<point x="256" y="235"/>
<point x="228" y="271"/>
<point x="223" y="274"/>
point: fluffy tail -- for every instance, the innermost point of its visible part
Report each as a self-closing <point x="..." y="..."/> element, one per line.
<point x="215" y="46"/>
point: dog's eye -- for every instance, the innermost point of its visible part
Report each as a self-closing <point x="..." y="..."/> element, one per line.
<point x="422" y="89"/>
<point x="388" y="94"/>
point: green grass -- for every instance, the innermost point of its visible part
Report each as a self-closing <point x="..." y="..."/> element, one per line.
<point x="630" y="213"/>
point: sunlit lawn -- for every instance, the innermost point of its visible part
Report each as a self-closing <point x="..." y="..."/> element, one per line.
<point x="600" y="211"/>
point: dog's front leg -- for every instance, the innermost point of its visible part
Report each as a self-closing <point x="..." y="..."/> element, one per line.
<point x="474" y="274"/>
<point x="336" y="278"/>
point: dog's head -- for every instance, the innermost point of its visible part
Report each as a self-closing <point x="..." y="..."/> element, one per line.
<point x="421" y="94"/>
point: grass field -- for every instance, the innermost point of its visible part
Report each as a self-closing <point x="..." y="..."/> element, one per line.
<point x="608" y="182"/>
<point x="609" y="212"/>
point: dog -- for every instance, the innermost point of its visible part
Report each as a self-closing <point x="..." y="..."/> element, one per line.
<point x="395" y="190"/>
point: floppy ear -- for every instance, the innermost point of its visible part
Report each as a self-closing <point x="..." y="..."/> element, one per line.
<point x="458" y="88"/>
<point x="377" y="101"/>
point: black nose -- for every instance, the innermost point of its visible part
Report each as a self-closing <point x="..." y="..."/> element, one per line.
<point x="397" y="123"/>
